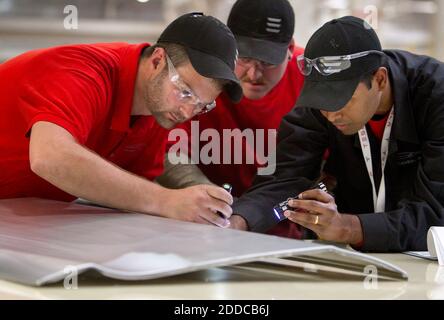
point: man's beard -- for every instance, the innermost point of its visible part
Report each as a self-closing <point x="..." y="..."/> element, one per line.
<point x="163" y="121"/>
<point x="155" y="91"/>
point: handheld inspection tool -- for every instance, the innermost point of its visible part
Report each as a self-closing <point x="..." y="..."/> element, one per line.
<point x="283" y="206"/>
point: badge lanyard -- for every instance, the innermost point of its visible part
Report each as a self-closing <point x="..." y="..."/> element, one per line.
<point x="378" y="199"/>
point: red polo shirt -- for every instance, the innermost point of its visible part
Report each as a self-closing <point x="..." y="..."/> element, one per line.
<point x="86" y="89"/>
<point x="265" y="113"/>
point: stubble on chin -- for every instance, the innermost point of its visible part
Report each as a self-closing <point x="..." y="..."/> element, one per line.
<point x="163" y="121"/>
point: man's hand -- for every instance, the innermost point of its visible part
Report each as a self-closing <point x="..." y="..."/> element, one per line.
<point x="317" y="211"/>
<point x="200" y="204"/>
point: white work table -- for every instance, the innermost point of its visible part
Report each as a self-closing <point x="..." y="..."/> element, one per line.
<point x="426" y="281"/>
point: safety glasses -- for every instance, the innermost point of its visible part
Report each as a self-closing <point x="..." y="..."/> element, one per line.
<point x="185" y="94"/>
<point x="329" y="65"/>
<point x="250" y="62"/>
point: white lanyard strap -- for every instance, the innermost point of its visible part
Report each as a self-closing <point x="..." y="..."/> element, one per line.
<point x="378" y="199"/>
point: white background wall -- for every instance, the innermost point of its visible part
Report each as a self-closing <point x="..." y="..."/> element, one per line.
<point x="415" y="25"/>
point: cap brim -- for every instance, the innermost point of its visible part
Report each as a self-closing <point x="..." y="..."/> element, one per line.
<point x="263" y="50"/>
<point x="327" y="95"/>
<point x="212" y="67"/>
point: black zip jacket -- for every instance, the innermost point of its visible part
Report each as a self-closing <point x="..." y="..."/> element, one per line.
<point x="414" y="172"/>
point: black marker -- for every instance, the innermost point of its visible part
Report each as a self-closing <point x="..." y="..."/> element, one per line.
<point x="227" y="187"/>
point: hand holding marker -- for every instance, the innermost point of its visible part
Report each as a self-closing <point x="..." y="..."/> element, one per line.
<point x="228" y="188"/>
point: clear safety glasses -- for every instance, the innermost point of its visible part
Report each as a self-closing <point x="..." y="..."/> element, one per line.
<point x="185" y="94"/>
<point x="330" y="64"/>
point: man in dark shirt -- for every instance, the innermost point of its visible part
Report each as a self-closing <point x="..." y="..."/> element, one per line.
<point x="380" y="115"/>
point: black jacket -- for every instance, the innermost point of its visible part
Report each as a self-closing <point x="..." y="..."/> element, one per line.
<point x="414" y="173"/>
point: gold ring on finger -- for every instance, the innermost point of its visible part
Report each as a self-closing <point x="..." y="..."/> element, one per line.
<point x="316" y="220"/>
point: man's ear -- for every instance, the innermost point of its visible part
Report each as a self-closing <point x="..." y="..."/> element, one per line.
<point x="158" y="58"/>
<point x="381" y="78"/>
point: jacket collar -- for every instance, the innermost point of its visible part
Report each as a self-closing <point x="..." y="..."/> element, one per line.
<point x="404" y="126"/>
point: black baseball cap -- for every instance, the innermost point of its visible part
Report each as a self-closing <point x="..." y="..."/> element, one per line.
<point x="263" y="28"/>
<point x="343" y="36"/>
<point x="210" y="46"/>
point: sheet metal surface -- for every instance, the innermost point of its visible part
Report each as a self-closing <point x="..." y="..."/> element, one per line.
<point x="41" y="241"/>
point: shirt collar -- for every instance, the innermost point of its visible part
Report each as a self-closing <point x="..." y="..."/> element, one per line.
<point x="123" y="100"/>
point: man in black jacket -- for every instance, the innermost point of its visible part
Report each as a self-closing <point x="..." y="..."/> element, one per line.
<point x="380" y="116"/>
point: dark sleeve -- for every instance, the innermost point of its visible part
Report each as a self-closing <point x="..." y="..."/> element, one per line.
<point x="302" y="140"/>
<point x="406" y="227"/>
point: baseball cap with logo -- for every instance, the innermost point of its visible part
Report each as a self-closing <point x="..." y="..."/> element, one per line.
<point x="263" y="28"/>
<point x="339" y="55"/>
<point x="210" y="46"/>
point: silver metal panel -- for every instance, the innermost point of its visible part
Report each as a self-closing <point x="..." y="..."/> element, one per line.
<point x="40" y="238"/>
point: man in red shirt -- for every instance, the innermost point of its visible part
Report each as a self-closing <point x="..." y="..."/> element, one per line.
<point x="90" y="121"/>
<point x="271" y="83"/>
